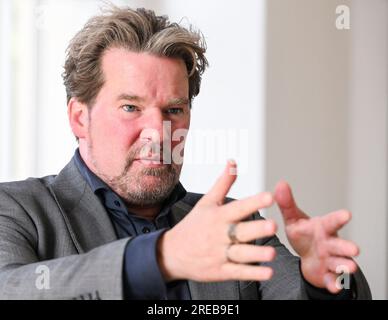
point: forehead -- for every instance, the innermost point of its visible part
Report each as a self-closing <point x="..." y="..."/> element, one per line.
<point x="143" y="73"/>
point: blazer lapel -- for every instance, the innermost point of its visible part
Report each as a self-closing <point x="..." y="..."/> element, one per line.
<point x="226" y="290"/>
<point x="87" y="220"/>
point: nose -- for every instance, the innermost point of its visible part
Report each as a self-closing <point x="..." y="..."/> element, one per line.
<point x="156" y="128"/>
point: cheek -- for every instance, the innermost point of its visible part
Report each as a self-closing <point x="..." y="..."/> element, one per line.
<point x="112" y="136"/>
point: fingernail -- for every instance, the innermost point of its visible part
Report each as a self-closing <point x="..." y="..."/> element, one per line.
<point x="327" y="280"/>
<point x="270" y="226"/>
<point x="232" y="167"/>
<point x="269" y="273"/>
<point x="271" y="254"/>
<point x="232" y="162"/>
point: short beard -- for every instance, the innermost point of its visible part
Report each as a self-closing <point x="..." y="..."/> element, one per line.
<point x="133" y="188"/>
<point x="135" y="191"/>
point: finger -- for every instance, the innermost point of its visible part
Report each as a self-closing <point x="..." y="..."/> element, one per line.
<point x="245" y="253"/>
<point x="334" y="221"/>
<point x="240" y="209"/>
<point x="341" y="247"/>
<point x="252" y="230"/>
<point x="303" y="228"/>
<point x="287" y="205"/>
<point x="340" y="265"/>
<point x="235" y="271"/>
<point x="330" y="280"/>
<point x="223" y="184"/>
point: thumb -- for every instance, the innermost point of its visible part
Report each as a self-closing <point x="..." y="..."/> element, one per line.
<point x="223" y="184"/>
<point x="285" y="200"/>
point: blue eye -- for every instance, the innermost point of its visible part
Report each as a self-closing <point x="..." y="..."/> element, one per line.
<point x="175" y="110"/>
<point x="129" y="108"/>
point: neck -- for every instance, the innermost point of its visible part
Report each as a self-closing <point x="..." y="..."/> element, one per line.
<point x="148" y="213"/>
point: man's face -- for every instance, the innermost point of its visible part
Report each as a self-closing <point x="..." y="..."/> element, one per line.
<point x="125" y="125"/>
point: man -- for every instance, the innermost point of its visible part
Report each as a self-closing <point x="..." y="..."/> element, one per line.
<point x="116" y="223"/>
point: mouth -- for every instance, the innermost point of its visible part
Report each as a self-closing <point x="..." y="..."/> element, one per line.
<point x="151" y="162"/>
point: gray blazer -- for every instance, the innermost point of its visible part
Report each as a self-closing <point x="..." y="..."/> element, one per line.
<point x="57" y="222"/>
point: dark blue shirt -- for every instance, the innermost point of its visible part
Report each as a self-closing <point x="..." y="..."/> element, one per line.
<point x="142" y="276"/>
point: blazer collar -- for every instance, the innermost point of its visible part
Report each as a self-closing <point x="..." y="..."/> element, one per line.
<point x="86" y="218"/>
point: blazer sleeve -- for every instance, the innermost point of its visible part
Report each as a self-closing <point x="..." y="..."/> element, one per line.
<point x="97" y="274"/>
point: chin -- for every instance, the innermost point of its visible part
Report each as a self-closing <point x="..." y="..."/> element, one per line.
<point x="149" y="181"/>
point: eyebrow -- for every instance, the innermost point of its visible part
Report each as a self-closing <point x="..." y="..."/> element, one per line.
<point x="132" y="97"/>
<point x="126" y="96"/>
<point x="178" y="101"/>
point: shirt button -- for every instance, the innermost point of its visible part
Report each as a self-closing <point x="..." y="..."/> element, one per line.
<point x="117" y="203"/>
<point x="146" y="230"/>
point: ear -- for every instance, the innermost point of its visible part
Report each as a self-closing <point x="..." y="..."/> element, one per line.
<point x="78" y="117"/>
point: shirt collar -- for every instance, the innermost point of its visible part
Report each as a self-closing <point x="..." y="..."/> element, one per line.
<point x="94" y="181"/>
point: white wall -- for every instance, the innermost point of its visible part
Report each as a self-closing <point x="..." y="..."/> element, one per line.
<point x="327" y="117"/>
<point x="231" y="101"/>
<point x="6" y="86"/>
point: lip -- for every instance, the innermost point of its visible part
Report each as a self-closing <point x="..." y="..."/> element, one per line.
<point x="151" y="162"/>
<point x="154" y="159"/>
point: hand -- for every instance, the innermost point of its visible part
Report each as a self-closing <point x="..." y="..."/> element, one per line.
<point x="316" y="241"/>
<point x="198" y="247"/>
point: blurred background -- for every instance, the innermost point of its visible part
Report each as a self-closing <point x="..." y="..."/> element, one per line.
<point x="296" y="90"/>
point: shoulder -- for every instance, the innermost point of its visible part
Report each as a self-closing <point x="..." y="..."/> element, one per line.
<point x="25" y="188"/>
<point x="22" y="206"/>
<point x="42" y="187"/>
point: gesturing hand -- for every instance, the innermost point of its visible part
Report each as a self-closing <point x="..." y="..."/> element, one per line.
<point x="316" y="241"/>
<point x="199" y="247"/>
